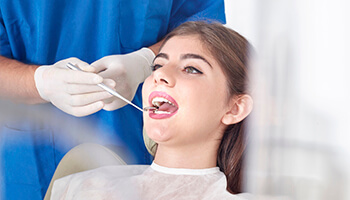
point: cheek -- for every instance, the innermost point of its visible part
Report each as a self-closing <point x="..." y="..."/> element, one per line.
<point x="203" y="113"/>
<point x="205" y="105"/>
<point x="201" y="107"/>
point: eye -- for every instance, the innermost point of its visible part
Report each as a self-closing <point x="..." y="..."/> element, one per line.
<point x="192" y="70"/>
<point x="155" y="67"/>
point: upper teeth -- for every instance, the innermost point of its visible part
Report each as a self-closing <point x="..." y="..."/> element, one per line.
<point x="157" y="101"/>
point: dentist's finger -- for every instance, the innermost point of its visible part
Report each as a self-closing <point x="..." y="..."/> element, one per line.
<point x="86" y="110"/>
<point x="83" y="88"/>
<point x="87" y="98"/>
<point x="79" y="77"/>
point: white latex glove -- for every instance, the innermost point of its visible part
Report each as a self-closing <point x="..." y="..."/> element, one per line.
<point x="74" y="92"/>
<point x="128" y="71"/>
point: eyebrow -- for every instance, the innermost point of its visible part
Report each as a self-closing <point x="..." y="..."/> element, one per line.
<point x="161" y="55"/>
<point x="185" y="56"/>
<point x="195" y="56"/>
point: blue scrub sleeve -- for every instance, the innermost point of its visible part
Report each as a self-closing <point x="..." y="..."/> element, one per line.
<point x="195" y="10"/>
<point x="5" y="49"/>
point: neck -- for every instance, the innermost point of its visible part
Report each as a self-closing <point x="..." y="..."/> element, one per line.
<point x="189" y="157"/>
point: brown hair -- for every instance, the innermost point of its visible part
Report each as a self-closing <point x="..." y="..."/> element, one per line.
<point x="231" y="51"/>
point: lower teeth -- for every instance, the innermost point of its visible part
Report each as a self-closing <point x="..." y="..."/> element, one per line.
<point x="160" y="112"/>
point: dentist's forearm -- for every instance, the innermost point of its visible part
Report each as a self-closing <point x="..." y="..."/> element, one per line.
<point x="17" y="81"/>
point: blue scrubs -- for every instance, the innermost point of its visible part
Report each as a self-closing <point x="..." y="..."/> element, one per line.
<point x="33" y="139"/>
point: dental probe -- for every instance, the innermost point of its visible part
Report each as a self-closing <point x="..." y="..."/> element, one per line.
<point x="112" y="92"/>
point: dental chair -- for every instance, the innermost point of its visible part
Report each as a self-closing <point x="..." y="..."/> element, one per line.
<point x="90" y="156"/>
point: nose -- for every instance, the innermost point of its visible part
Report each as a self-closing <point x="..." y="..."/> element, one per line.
<point x="164" y="76"/>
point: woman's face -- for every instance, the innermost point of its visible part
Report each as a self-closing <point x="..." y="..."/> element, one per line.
<point x="190" y="89"/>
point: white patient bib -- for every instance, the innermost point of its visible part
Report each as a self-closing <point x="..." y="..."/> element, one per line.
<point x="142" y="182"/>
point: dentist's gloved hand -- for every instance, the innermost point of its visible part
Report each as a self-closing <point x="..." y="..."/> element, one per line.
<point x="74" y="92"/>
<point x="128" y="71"/>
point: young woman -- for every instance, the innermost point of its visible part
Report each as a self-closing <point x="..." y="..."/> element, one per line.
<point x="199" y="85"/>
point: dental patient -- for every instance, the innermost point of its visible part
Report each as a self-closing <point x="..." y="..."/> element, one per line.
<point x="199" y="85"/>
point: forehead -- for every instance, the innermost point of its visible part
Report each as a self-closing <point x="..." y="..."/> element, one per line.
<point x="188" y="43"/>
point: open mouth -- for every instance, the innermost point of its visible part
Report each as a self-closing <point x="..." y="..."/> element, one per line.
<point x="164" y="103"/>
<point x="164" y="106"/>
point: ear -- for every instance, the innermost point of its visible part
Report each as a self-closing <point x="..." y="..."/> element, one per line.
<point x="239" y="108"/>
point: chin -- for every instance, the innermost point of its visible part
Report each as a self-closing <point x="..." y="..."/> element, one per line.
<point x="158" y="135"/>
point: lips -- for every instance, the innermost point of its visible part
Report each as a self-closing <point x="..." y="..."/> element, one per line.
<point x="167" y="106"/>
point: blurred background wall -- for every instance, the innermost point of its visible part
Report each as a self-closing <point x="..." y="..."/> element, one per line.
<point x="300" y="128"/>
